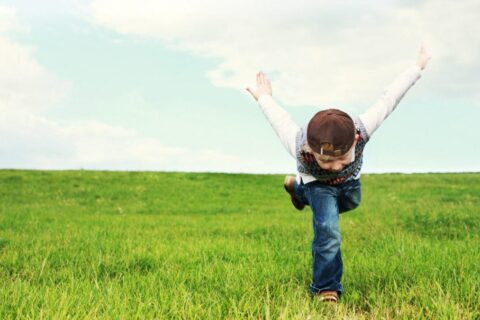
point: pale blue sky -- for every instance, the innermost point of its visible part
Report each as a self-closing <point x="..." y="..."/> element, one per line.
<point x="94" y="88"/>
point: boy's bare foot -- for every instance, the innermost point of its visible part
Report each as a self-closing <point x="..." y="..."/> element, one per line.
<point x="289" y="185"/>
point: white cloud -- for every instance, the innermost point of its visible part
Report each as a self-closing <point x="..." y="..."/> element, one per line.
<point x="33" y="141"/>
<point x="317" y="52"/>
<point x="7" y="19"/>
<point x="29" y="139"/>
<point x="24" y="83"/>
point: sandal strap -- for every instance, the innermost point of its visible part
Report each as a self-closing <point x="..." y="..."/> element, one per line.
<point x="329" y="296"/>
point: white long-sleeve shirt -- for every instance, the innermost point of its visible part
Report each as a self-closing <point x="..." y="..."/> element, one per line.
<point x="286" y="129"/>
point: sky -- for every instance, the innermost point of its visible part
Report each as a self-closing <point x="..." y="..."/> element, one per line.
<point x="160" y="85"/>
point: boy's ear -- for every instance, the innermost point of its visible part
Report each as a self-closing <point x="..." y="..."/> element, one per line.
<point x="307" y="148"/>
<point x="357" y="137"/>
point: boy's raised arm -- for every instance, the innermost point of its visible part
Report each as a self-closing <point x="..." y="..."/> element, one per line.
<point x="381" y="109"/>
<point x="285" y="128"/>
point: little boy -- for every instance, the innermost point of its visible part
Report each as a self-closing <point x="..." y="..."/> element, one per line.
<point x="328" y="152"/>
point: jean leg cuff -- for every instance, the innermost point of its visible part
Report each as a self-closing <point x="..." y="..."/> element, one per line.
<point x="314" y="290"/>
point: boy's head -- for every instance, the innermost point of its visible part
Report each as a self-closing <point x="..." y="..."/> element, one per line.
<point x="331" y="133"/>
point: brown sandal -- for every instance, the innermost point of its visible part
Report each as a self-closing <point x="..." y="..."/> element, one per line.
<point x="329" y="296"/>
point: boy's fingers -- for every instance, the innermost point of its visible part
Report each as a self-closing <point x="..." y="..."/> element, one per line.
<point x="423" y="49"/>
<point x="264" y="78"/>
<point x="261" y="76"/>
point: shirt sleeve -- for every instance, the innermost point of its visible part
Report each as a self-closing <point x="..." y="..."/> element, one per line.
<point x="381" y="109"/>
<point x="281" y="122"/>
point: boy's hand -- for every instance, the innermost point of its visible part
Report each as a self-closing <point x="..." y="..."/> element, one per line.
<point x="423" y="57"/>
<point x="263" y="86"/>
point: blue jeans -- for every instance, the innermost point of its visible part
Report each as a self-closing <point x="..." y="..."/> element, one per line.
<point x="327" y="202"/>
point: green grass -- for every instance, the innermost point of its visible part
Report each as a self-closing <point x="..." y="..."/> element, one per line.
<point x="128" y="245"/>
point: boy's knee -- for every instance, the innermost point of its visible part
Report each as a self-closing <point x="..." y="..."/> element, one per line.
<point x="355" y="202"/>
<point x="352" y="203"/>
<point x="327" y="235"/>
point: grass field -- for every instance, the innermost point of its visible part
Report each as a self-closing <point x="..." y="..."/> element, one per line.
<point x="144" y="245"/>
